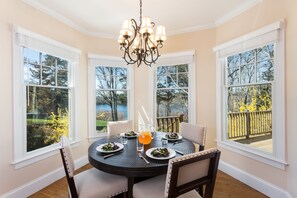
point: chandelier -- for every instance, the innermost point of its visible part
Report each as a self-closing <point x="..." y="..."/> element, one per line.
<point x="139" y="43"/>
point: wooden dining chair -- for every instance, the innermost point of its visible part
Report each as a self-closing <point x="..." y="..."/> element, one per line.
<point x="117" y="127"/>
<point x="184" y="175"/>
<point x="194" y="133"/>
<point x="91" y="183"/>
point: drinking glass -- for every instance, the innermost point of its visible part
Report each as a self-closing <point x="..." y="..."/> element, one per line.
<point x="164" y="142"/>
<point x="153" y="131"/>
<point x="124" y="140"/>
<point x="139" y="146"/>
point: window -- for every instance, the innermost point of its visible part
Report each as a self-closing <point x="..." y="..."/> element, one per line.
<point x="248" y="87"/>
<point x="173" y="91"/>
<point x="47" y="98"/>
<point x="111" y="96"/>
<point x="44" y="99"/>
<point x="250" y="84"/>
<point x="110" y="93"/>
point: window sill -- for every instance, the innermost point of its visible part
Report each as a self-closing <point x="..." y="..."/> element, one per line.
<point x="254" y="154"/>
<point x="33" y="158"/>
<point x="96" y="137"/>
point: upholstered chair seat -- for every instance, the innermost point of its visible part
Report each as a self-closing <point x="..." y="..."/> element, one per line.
<point x="91" y="183"/>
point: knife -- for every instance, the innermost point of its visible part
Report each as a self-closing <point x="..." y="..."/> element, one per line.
<point x="110" y="155"/>
<point x="179" y="152"/>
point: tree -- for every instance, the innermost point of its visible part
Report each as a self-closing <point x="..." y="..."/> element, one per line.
<point x="109" y="79"/>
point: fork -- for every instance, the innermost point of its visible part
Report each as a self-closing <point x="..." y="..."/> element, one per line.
<point x="141" y="156"/>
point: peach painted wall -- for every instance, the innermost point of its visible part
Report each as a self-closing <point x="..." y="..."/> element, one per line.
<point x="265" y="13"/>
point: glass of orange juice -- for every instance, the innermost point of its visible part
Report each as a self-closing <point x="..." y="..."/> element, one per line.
<point x="145" y="136"/>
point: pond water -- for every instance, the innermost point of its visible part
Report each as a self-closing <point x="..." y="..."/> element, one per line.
<point x="105" y="107"/>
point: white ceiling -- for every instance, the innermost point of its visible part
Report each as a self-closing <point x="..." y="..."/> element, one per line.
<point x="103" y="18"/>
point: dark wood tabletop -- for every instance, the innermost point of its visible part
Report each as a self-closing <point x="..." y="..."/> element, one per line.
<point x="128" y="163"/>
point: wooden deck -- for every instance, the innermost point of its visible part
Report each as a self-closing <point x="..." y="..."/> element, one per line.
<point x="226" y="187"/>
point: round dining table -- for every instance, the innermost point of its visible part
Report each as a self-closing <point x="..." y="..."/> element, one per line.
<point x="127" y="161"/>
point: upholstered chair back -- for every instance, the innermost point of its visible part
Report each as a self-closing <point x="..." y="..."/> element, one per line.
<point x="191" y="172"/>
<point x="117" y="127"/>
<point x="194" y="133"/>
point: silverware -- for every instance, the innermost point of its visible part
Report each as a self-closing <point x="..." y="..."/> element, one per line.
<point x="141" y="156"/>
<point x="112" y="154"/>
<point x="179" y="152"/>
<point x="177" y="142"/>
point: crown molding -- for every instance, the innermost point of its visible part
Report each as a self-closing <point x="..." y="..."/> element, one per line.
<point x="236" y="12"/>
<point x="191" y="29"/>
<point x="74" y="25"/>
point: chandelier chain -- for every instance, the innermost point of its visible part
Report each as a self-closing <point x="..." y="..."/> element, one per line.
<point x="140" y="12"/>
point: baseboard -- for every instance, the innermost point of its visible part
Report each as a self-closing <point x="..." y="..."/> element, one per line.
<point x="259" y="184"/>
<point x="41" y="182"/>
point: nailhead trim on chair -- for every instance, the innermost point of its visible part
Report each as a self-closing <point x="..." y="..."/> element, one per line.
<point x="178" y="159"/>
<point x="67" y="165"/>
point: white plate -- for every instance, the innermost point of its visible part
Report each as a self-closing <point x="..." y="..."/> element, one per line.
<point x="127" y="136"/>
<point x="170" y="139"/>
<point x="99" y="148"/>
<point x="172" y="153"/>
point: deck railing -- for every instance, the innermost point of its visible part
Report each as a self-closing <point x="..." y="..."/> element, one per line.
<point x="170" y="123"/>
<point x="247" y="124"/>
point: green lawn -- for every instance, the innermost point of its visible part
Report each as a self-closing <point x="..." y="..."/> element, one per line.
<point x="38" y="121"/>
<point x="101" y="123"/>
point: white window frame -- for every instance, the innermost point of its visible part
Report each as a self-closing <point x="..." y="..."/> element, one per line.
<point x="273" y="33"/>
<point x="186" y="57"/>
<point x="25" y="38"/>
<point x="106" y="61"/>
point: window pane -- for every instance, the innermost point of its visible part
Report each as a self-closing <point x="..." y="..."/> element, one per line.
<point x="265" y="71"/>
<point x="47" y="116"/>
<point x="48" y="76"/>
<point x="171" y="80"/>
<point x="182" y="68"/>
<point x="247" y="57"/>
<point x="121" y="82"/>
<point x="62" y="78"/>
<point x="265" y="53"/>
<point x="110" y="106"/>
<point x="161" y="70"/>
<point x="233" y="75"/>
<point x="31" y="56"/>
<point x="161" y="81"/>
<point x="183" y="80"/>
<point x="120" y="71"/>
<point x="48" y="60"/>
<point x="250" y="115"/>
<point x="248" y="74"/>
<point x="233" y="61"/>
<point x="32" y="75"/>
<point x="62" y="64"/>
<point x="172" y="69"/>
<point x="172" y="102"/>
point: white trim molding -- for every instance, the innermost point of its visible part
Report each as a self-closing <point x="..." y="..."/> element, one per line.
<point x="71" y="23"/>
<point x="43" y="181"/>
<point x="257" y="183"/>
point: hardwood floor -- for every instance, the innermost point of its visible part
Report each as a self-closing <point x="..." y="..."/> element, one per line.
<point x="226" y="187"/>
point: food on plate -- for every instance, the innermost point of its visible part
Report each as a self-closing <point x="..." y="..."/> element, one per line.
<point x="172" y="135"/>
<point x="130" y="133"/>
<point x="110" y="147"/>
<point x="160" y="152"/>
